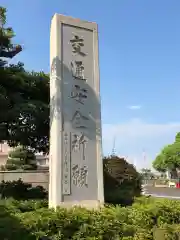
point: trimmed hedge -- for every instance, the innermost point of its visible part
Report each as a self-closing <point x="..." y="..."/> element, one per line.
<point x="21" y="191"/>
<point x="147" y="219"/>
<point x="21" y="158"/>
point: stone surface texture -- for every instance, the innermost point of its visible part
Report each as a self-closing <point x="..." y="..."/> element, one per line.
<point x="75" y="163"/>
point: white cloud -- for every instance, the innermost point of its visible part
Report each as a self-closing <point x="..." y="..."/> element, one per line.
<point x="134" y="136"/>
<point x="134" y="107"/>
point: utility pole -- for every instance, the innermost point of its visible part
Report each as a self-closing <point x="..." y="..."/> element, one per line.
<point x="144" y="157"/>
<point x="113" y="148"/>
<point x="144" y="160"/>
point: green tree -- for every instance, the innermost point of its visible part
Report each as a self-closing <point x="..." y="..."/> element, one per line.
<point x="147" y="173"/>
<point x="24" y="108"/>
<point x="121" y="181"/>
<point x="21" y="158"/>
<point x="169" y="158"/>
<point x="7" y="49"/>
<point x="24" y="98"/>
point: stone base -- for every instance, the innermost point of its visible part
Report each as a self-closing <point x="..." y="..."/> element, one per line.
<point x="89" y="204"/>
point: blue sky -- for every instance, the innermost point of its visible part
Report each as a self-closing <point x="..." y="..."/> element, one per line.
<point x="139" y="46"/>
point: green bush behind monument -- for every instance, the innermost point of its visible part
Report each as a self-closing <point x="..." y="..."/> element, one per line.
<point x="121" y="181"/>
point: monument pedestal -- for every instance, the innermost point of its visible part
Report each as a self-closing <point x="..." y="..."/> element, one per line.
<point x="89" y="204"/>
<point x="76" y="168"/>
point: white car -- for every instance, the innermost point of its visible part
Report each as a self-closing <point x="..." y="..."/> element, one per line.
<point x="172" y="184"/>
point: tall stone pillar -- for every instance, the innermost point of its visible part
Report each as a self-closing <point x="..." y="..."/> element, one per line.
<point x="76" y="169"/>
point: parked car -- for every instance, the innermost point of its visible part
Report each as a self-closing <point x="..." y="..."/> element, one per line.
<point x="172" y="184"/>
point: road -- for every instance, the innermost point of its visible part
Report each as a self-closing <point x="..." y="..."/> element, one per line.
<point x="164" y="192"/>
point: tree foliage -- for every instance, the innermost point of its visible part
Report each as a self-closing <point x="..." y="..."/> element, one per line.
<point x="169" y="158"/>
<point x="147" y="174"/>
<point x="24" y="107"/>
<point x="7" y="48"/>
<point x="24" y="98"/>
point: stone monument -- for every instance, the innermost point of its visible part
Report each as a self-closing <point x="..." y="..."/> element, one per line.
<point x="75" y="165"/>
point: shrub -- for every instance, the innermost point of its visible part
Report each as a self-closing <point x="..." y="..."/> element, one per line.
<point x="122" y="183"/>
<point x="21" y="191"/>
<point x="16" y="206"/>
<point x="146" y="219"/>
<point x="21" y="158"/>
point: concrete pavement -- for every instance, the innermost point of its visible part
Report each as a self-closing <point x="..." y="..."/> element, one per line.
<point x="164" y="192"/>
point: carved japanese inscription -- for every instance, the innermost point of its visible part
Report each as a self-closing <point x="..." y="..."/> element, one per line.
<point x="79" y="143"/>
<point x="66" y="165"/>
<point x="77" y="43"/>
<point x="79" y="94"/>
<point x="77" y="69"/>
<point x="79" y="176"/>
<point x="79" y="121"/>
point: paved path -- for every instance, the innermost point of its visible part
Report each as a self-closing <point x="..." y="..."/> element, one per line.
<point x="166" y="192"/>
